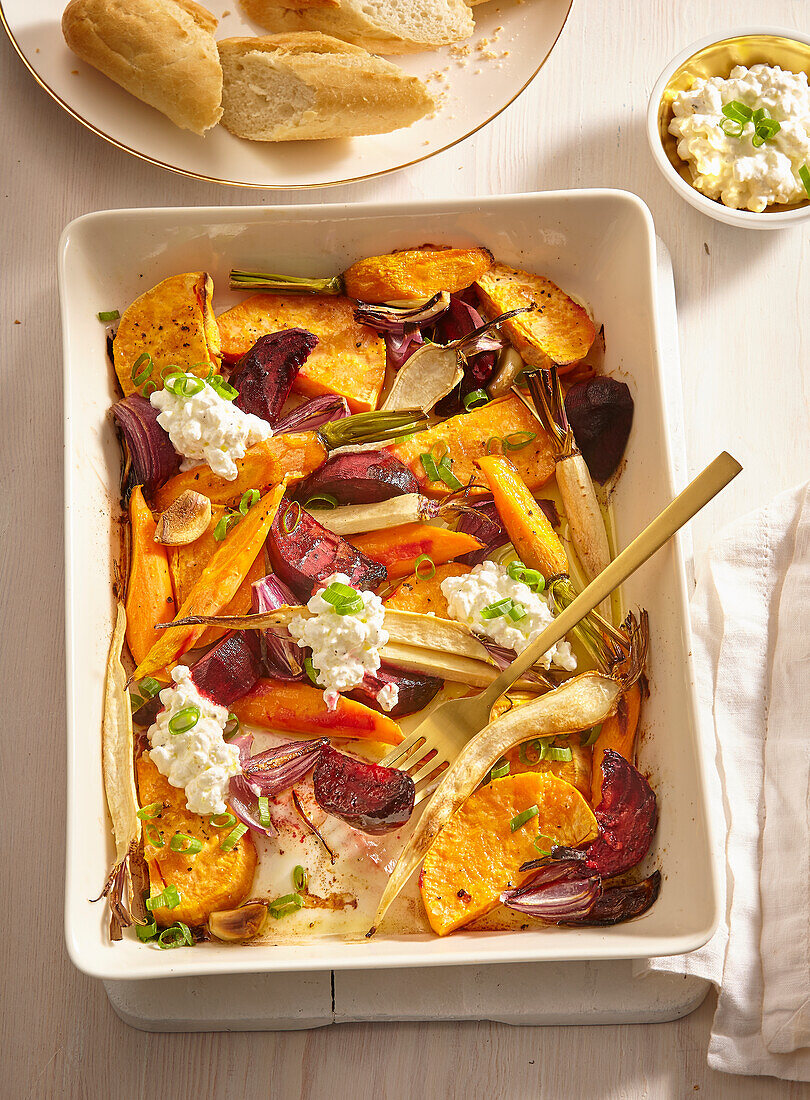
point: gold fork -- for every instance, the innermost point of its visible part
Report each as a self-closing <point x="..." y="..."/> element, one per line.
<point x="441" y="736"/>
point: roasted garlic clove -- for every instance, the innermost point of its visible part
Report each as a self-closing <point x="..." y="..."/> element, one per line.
<point x="185" y="520"/>
<point x="238" y="924"/>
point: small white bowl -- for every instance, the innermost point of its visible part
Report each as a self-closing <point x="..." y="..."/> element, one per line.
<point x="717" y="57"/>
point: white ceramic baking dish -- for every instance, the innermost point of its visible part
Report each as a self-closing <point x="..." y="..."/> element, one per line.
<point x="598" y="244"/>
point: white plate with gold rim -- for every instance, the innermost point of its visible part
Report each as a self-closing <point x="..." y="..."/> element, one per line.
<point x="509" y="46"/>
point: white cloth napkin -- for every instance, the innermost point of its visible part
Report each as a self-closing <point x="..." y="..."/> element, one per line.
<point x="751" y="638"/>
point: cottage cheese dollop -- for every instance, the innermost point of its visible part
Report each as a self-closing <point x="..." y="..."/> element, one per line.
<point x="199" y="760"/>
<point x="486" y="584"/>
<point x="205" y="428"/>
<point x="344" y="647"/>
<point x="733" y="169"/>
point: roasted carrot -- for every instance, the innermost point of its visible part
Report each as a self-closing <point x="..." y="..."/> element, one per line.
<point x="505" y="425"/>
<point x="299" y="708"/>
<point x="294" y="456"/>
<point x="532" y="535"/>
<point x="415" y="274"/>
<point x="239" y="605"/>
<point x="619" y="733"/>
<point x="150" y="598"/>
<point x="217" y="584"/>
<point x="399" y="548"/>
<point x="424" y="595"/>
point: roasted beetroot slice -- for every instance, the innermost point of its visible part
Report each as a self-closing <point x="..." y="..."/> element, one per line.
<point x="600" y="411"/>
<point x="626" y="817"/>
<point x="360" y="478"/>
<point x="415" y="691"/>
<point x="303" y="554"/>
<point x="264" y="375"/>
<point x="230" y="669"/>
<point x="619" y="903"/>
<point x="366" y="796"/>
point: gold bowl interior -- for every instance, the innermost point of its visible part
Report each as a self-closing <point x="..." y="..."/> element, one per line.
<point x="718" y="59"/>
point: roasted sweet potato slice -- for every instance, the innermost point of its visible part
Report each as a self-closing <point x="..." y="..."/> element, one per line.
<point x="150" y="597"/>
<point x="465" y="438"/>
<point x="477" y="854"/>
<point x="424" y="596"/>
<point x="558" y="330"/>
<point x="349" y="358"/>
<point x="293" y="456"/>
<point x="208" y="881"/>
<point x="175" y="323"/>
<point x="399" y="548"/>
<point x="416" y="274"/>
<point x="576" y="771"/>
<point x="299" y="708"/>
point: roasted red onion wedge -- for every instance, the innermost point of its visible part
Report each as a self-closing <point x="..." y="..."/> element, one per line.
<point x="363" y="477"/>
<point x="303" y="554"/>
<point x="483" y="522"/>
<point x="600" y="411"/>
<point x="264" y="375"/>
<point x="394" y="318"/>
<point x="619" y="903"/>
<point x="366" y="796"/>
<point x="415" y="691"/>
<point x="149" y="457"/>
<point x="626" y="816"/>
<point x="562" y="889"/>
<point x="278" y="769"/>
<point x="244" y="804"/>
<point x="282" y="656"/>
<point x="230" y="669"/>
<point x="313" y="414"/>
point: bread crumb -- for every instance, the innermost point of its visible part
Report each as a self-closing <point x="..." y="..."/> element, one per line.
<point x="460" y="51"/>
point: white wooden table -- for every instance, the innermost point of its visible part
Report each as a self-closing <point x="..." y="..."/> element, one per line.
<point x="743" y="301"/>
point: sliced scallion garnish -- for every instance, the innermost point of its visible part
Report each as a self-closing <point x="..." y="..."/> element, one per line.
<point x="517" y="612"/>
<point x="500" y="770"/>
<point x="561" y="755"/>
<point x="516" y="441"/>
<point x="222" y="388"/>
<point x="147" y="813"/>
<point x="429" y="466"/>
<point x="221" y="821"/>
<point x="592" y="737"/>
<point x="291" y="518"/>
<point x="232" y="726"/>
<point x="299" y="877"/>
<point x="531" y="752"/>
<point x="108" y="315"/>
<point x="142" y="368"/>
<point x="146" y="932"/>
<point x="321" y="501"/>
<point x="522" y="818"/>
<point x="229" y="520"/>
<point x="249" y="498"/>
<point x="188" y="845"/>
<point x="445" y="471"/>
<point x="312" y="672"/>
<point x="168" y="898"/>
<point x="153" y="834"/>
<point x="343" y="598"/>
<point x="232" y="839"/>
<point x="542" y="849"/>
<point x="475" y="399"/>
<point x="176" y="935"/>
<point x="185" y="719"/>
<point x="264" y="812"/>
<point x="496" y="609"/>
<point x="804" y="176"/>
<point x="184" y="385"/>
<point x="285" y="905"/>
<point x="429" y="570"/>
<point x="491" y="445"/>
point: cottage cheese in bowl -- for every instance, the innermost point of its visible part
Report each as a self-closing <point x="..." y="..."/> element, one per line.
<point x="729" y="161"/>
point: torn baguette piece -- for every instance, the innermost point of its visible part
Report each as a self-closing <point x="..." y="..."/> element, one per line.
<point x="161" y="51"/>
<point x="297" y="87"/>
<point x="381" y="26"/>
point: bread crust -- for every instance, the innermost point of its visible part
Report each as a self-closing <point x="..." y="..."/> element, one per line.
<point x="161" y="51"/>
<point x="350" y="91"/>
<point x="345" y="21"/>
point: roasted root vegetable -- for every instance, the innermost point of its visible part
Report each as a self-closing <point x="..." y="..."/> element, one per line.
<point x="413" y="692"/>
<point x="360" y="478"/>
<point x="411" y="276"/>
<point x="400" y="548"/>
<point x="207" y="881"/>
<point x="580" y="703"/>
<point x="357" y="519"/>
<point x="217" y="583"/>
<point x="366" y="796"/>
<point x="479" y="851"/>
<point x="185" y="520"/>
<point x="600" y="412"/>
<point x="528" y="758"/>
<point x="557" y="330"/>
<point x="265" y="375"/>
<point x="299" y="708"/>
<point x="621" y="903"/>
<point x="240" y="603"/>
<point x="573" y="477"/>
<point x="349" y="358"/>
<point x="150" y="597"/>
<point x="618" y="732"/>
<point x="533" y="537"/>
<point x="423" y="595"/>
<point x="230" y="669"/>
<point x="304" y="554"/>
<point x="465" y="438"/>
<point x="627" y="814"/>
<point x="172" y="324"/>
<point x="149" y="457"/>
